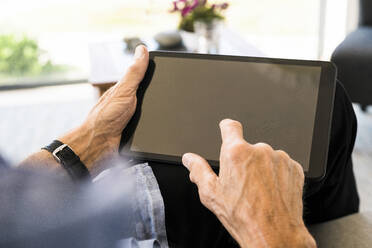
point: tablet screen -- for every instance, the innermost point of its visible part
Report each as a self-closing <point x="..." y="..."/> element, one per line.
<point x="188" y="97"/>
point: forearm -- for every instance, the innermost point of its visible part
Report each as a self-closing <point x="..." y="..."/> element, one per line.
<point x="87" y="144"/>
<point x="42" y="160"/>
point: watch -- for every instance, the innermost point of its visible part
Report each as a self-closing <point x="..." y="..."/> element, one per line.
<point x="71" y="162"/>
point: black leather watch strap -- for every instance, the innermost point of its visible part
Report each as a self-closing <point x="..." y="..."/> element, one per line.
<point x="68" y="159"/>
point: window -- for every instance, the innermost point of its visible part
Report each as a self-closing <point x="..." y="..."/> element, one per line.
<point x="51" y="37"/>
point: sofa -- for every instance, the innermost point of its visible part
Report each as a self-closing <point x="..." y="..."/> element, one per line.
<point x="353" y="58"/>
<point x="350" y="231"/>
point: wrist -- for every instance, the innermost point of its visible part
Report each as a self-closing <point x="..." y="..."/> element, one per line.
<point x="291" y="236"/>
<point x="302" y="238"/>
<point x="295" y="237"/>
<point x="275" y="235"/>
<point x="92" y="147"/>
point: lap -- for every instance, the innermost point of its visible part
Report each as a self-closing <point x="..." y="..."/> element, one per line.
<point x="188" y="222"/>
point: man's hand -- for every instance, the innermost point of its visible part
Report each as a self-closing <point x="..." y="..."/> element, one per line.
<point x="116" y="107"/>
<point x="257" y="195"/>
<point x="98" y="138"/>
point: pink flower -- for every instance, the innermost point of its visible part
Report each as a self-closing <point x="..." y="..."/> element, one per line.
<point x="187" y="6"/>
<point x="186" y="10"/>
<point x="175" y="7"/>
<point x="224" y="6"/>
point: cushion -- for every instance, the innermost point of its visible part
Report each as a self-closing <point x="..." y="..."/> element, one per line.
<point x="353" y="58"/>
<point x="365" y="13"/>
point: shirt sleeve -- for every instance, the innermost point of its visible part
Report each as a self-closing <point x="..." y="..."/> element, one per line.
<point x="39" y="209"/>
<point x="3" y="164"/>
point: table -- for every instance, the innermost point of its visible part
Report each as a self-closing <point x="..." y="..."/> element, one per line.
<point x="109" y="59"/>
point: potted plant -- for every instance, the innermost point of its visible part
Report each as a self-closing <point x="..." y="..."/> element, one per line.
<point x="198" y="14"/>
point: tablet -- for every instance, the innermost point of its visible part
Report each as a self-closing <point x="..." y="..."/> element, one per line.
<point x="183" y="97"/>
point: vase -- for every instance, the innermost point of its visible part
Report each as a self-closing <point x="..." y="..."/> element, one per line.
<point x="208" y="36"/>
<point x="190" y="40"/>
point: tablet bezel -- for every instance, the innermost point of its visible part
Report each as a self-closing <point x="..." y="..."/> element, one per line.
<point x="323" y="116"/>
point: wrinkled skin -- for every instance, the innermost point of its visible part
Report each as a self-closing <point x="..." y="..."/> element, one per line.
<point x="257" y="195"/>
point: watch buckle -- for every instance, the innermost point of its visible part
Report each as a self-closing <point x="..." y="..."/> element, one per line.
<point x="56" y="151"/>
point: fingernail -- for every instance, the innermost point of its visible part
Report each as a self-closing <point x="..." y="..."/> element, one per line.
<point x="186" y="159"/>
<point x="225" y="121"/>
<point x="139" y="51"/>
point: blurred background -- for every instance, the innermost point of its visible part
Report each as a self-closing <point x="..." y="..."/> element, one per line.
<point x="58" y="56"/>
<point x="63" y="29"/>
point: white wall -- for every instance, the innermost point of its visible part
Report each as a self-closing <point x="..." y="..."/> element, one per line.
<point x="341" y="19"/>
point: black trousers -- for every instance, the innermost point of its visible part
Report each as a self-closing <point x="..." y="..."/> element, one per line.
<point x="190" y="224"/>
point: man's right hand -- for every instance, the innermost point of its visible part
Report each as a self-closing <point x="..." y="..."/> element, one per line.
<point x="257" y="195"/>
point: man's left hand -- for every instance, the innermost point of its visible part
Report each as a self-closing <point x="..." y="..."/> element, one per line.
<point x="99" y="136"/>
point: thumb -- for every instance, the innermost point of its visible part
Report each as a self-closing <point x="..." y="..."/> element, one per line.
<point x="135" y="71"/>
<point x="201" y="174"/>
